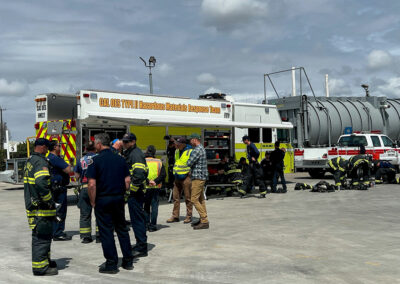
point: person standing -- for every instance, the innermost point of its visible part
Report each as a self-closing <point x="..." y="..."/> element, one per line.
<point x="156" y="177"/>
<point x="59" y="171"/>
<point x="252" y="157"/>
<point x="199" y="174"/>
<point x="137" y="166"/>
<point x="85" y="220"/>
<point x="40" y="208"/>
<point x="278" y="165"/>
<point x="182" y="183"/>
<point x="108" y="180"/>
<point x="171" y="161"/>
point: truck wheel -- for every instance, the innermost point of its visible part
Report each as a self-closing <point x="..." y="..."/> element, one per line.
<point x="316" y="173"/>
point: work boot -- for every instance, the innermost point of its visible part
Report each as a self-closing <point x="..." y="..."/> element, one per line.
<point x="87" y="240"/>
<point x="52" y="264"/>
<point x="62" y="238"/>
<point x="108" y="269"/>
<point x="262" y="196"/>
<point x="196" y="223"/>
<point x="187" y="220"/>
<point x="49" y="272"/>
<point x="139" y="253"/>
<point x="152" y="228"/>
<point x="172" y="220"/>
<point x="202" y="226"/>
<point x="127" y="264"/>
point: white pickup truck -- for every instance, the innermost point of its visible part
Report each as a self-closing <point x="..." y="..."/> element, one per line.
<point x="315" y="160"/>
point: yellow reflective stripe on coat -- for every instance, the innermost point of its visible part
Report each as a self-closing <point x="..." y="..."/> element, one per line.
<point x="40" y="264"/>
<point x="338" y="164"/>
<point x="47" y="197"/>
<point x="41" y="173"/>
<point x="139" y="166"/>
<point x="331" y="165"/>
<point x="46" y="213"/>
<point x="234" y="171"/>
<point x="29" y="180"/>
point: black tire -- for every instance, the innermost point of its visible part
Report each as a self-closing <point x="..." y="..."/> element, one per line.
<point x="316" y="173"/>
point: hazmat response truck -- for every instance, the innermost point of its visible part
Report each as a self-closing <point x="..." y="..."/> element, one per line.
<point x="74" y="120"/>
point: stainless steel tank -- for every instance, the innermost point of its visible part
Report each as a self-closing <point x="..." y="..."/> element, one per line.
<point x="320" y="121"/>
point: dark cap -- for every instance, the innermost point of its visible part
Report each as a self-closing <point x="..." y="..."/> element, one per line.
<point x="151" y="150"/>
<point x="42" y="142"/>
<point x="128" y="137"/>
<point x="194" y="136"/>
<point x="246" y="137"/>
<point x="181" y="140"/>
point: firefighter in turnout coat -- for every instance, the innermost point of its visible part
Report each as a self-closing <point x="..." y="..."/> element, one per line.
<point x="40" y="208"/>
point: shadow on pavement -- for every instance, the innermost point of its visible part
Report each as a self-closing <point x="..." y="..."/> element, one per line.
<point x="62" y="263"/>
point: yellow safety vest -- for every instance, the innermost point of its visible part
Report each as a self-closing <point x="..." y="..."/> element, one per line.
<point x="154" y="166"/>
<point x="180" y="166"/>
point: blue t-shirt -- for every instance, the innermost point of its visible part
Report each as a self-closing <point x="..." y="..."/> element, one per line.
<point x="109" y="171"/>
<point x="82" y="166"/>
<point x="58" y="176"/>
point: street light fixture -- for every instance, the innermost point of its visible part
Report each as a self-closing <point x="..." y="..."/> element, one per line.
<point x="151" y="64"/>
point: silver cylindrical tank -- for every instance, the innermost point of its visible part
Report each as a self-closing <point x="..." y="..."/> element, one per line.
<point x="328" y="117"/>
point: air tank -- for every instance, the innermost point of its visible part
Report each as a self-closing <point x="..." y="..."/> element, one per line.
<point x="320" y="121"/>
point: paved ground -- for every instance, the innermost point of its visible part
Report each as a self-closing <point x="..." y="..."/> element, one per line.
<point x="298" y="237"/>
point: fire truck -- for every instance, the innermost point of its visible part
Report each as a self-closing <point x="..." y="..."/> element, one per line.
<point x="74" y="120"/>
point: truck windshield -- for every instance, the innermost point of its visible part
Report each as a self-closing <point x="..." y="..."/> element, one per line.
<point x="353" y="140"/>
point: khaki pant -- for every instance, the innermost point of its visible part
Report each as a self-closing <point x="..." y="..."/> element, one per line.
<point x="180" y="186"/>
<point x="198" y="199"/>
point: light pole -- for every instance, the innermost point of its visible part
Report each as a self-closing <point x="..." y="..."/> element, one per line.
<point x="152" y="64"/>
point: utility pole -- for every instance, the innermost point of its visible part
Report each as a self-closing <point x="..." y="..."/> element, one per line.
<point x="1" y="128"/>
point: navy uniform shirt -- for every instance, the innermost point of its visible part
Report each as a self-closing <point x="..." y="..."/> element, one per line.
<point x="109" y="171"/>
<point x="58" y="176"/>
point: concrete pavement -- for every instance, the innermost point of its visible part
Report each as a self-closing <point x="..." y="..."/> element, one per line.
<point x="298" y="237"/>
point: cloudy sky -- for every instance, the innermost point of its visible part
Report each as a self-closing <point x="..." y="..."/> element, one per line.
<point x="200" y="46"/>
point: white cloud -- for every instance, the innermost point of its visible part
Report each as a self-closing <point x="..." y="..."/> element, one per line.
<point x="165" y="69"/>
<point x="249" y="97"/>
<point x="379" y="59"/>
<point x="344" y="44"/>
<point x="391" y="88"/>
<point x="131" y="84"/>
<point x="338" y="87"/>
<point x="207" y="79"/>
<point x="230" y="14"/>
<point x="14" y="88"/>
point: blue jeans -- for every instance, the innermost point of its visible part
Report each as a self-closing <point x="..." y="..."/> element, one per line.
<point x="59" y="227"/>
<point x="138" y="219"/>
<point x="278" y="173"/>
<point x="151" y="206"/>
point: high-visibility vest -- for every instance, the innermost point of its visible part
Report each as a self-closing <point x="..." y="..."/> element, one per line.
<point x="154" y="165"/>
<point x="181" y="167"/>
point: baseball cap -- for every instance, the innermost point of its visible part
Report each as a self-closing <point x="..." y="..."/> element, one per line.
<point x="42" y="142"/>
<point x="114" y="141"/>
<point x="151" y="150"/>
<point x="181" y="140"/>
<point x="129" y="137"/>
<point x="194" y="136"/>
<point x="245" y="138"/>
